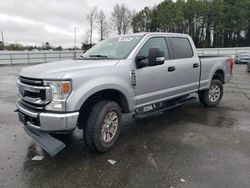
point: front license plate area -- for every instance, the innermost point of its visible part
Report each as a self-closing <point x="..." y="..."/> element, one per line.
<point x="22" y="118"/>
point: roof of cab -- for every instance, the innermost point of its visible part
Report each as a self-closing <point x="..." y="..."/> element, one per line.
<point x="154" y="33"/>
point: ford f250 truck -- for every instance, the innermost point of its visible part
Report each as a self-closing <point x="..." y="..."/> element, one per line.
<point x="144" y="73"/>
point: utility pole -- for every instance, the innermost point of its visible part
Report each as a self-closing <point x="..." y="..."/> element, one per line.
<point x="2" y="37"/>
<point x="75" y="39"/>
<point x="75" y="44"/>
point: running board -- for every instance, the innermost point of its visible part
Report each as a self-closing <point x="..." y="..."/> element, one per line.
<point x="163" y="108"/>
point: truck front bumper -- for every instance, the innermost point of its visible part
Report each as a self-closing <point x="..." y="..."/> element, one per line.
<point x="47" y="122"/>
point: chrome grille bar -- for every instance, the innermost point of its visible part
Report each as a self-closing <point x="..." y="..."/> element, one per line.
<point x="30" y="81"/>
<point x="37" y="90"/>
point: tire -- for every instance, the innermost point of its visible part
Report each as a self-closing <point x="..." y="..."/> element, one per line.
<point x="98" y="135"/>
<point x="213" y="95"/>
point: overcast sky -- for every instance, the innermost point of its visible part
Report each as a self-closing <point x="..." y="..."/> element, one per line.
<point x="38" y="21"/>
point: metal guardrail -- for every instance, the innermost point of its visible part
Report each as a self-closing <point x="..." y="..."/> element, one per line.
<point x="222" y="51"/>
<point x="33" y="57"/>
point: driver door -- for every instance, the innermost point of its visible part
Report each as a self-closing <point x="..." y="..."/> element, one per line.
<point x="154" y="83"/>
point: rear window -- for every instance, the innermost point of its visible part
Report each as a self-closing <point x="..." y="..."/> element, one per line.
<point x="181" y="48"/>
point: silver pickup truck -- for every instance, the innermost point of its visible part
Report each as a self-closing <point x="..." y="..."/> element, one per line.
<point x="143" y="73"/>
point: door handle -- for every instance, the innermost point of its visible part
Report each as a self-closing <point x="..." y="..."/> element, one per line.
<point x="171" y="69"/>
<point x="195" y="65"/>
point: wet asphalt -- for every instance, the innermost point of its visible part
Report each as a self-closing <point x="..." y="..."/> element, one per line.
<point x="190" y="146"/>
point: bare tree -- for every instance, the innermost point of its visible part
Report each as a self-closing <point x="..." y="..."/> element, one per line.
<point x="109" y="29"/>
<point x="117" y="18"/>
<point x="101" y="19"/>
<point x="91" y="17"/>
<point x="126" y="21"/>
<point x="86" y="37"/>
<point x="121" y="17"/>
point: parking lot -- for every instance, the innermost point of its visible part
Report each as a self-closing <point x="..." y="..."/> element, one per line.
<point x="190" y="146"/>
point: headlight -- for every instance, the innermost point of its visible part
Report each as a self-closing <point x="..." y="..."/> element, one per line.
<point x="60" y="91"/>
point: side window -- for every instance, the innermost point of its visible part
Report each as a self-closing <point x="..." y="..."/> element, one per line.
<point x="159" y="42"/>
<point x="181" y="48"/>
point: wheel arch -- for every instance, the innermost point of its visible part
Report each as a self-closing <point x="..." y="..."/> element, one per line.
<point x="219" y="75"/>
<point x="105" y="94"/>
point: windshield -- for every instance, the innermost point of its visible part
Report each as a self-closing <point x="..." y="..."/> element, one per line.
<point x="113" y="48"/>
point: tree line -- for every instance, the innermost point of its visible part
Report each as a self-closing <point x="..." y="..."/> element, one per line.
<point x="211" y="23"/>
<point x="19" y="47"/>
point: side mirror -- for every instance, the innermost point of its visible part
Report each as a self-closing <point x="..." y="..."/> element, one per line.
<point x="155" y="56"/>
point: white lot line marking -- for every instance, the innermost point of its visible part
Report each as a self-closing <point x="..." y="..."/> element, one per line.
<point x="144" y="145"/>
<point x="37" y="158"/>
<point x="111" y="161"/>
<point x="150" y="156"/>
<point x="182" y="180"/>
<point x="151" y="159"/>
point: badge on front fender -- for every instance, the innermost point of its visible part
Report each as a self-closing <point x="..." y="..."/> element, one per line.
<point x="132" y="79"/>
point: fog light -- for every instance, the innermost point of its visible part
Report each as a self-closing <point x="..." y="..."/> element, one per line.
<point x="58" y="104"/>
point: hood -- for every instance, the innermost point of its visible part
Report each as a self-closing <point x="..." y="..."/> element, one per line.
<point x="57" y="70"/>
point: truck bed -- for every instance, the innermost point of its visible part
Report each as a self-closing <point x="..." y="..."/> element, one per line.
<point x="210" y="64"/>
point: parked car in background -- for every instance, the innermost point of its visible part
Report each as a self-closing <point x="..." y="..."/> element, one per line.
<point x="242" y="58"/>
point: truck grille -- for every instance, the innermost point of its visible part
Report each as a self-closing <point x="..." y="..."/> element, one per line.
<point x="32" y="92"/>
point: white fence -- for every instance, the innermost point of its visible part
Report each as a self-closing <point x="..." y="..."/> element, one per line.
<point x="31" y="57"/>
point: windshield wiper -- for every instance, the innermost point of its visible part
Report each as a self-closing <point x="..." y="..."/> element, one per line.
<point x="99" y="56"/>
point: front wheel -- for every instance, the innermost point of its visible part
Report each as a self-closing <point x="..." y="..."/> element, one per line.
<point x="213" y="95"/>
<point x="103" y="126"/>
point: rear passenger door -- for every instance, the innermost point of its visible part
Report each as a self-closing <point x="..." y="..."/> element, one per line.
<point x="187" y="64"/>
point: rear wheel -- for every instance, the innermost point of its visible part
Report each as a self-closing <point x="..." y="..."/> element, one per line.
<point x="213" y="95"/>
<point x="103" y="126"/>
